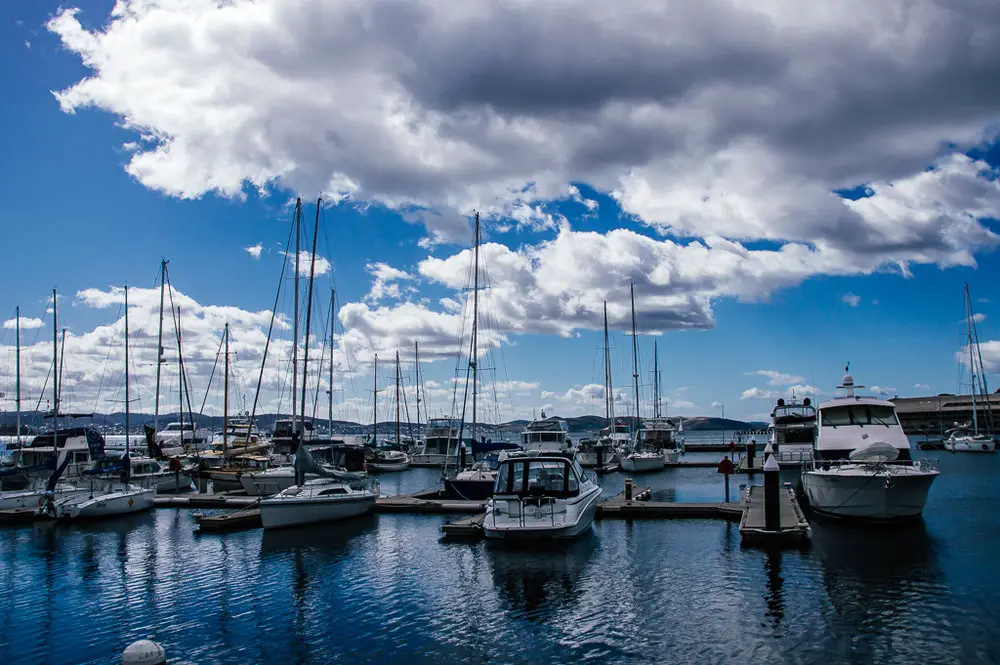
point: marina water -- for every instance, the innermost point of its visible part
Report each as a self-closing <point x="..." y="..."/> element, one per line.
<point x="386" y="589"/>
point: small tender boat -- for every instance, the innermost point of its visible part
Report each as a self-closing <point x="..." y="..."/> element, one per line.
<point x="540" y="497"/>
<point x="108" y="499"/>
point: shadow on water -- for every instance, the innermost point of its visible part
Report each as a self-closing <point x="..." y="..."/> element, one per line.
<point x="330" y="539"/>
<point x="537" y="580"/>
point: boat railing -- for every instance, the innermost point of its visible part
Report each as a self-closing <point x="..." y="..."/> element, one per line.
<point x="923" y="464"/>
<point x="794" y="456"/>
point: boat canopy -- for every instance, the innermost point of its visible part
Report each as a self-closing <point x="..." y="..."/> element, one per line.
<point x="538" y="476"/>
<point x="484" y="447"/>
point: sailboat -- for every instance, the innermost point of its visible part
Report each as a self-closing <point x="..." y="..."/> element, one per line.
<point x="658" y="433"/>
<point x="604" y="451"/>
<point x="327" y="497"/>
<point x="110" y="498"/>
<point x="387" y="456"/>
<point x="966" y="439"/>
<point x="641" y="458"/>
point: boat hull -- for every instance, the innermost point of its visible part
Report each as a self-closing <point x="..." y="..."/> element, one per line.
<point x="871" y="496"/>
<point x="970" y="445"/>
<point x="543" y="528"/>
<point x="635" y="464"/>
<point x="181" y="483"/>
<point x="590" y="459"/>
<point x="279" y="513"/>
<point x="431" y="460"/>
<point x="37" y="498"/>
<point x="115" y="504"/>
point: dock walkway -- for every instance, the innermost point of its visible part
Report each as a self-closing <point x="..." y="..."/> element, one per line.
<point x="794" y="526"/>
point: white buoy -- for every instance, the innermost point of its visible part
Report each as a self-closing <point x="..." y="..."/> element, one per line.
<point x="144" y="652"/>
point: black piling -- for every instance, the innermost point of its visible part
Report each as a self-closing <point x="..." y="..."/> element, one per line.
<point x="772" y="498"/>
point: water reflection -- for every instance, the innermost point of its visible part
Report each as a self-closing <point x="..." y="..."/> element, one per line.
<point x="536" y="581"/>
<point x="327" y="539"/>
<point x="775" y="596"/>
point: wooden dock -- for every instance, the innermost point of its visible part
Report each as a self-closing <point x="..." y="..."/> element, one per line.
<point x="234" y="520"/>
<point x="201" y="500"/>
<point x="466" y="528"/>
<point x="428" y="501"/>
<point x="794" y="527"/>
<point x="640" y="507"/>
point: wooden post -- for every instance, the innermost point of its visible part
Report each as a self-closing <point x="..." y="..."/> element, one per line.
<point x="772" y="498"/>
<point x="629" y="485"/>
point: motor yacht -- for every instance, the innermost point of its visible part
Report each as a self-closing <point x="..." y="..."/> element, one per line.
<point x="439" y="443"/>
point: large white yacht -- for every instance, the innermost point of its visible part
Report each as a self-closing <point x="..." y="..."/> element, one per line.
<point x="548" y="435"/>
<point x="439" y="443"/>
<point x="793" y="430"/>
<point x="540" y="497"/>
<point x="862" y="466"/>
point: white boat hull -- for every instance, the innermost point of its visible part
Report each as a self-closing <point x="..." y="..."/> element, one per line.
<point x="588" y="458"/>
<point x="642" y="463"/>
<point x="267" y="484"/>
<point x="113" y="504"/>
<point x="279" y="512"/>
<point x="429" y="460"/>
<point x="388" y="467"/>
<point x="970" y="445"/>
<point x="37" y="498"/>
<point x="539" y="524"/>
<point x="874" y="496"/>
<point x="168" y="483"/>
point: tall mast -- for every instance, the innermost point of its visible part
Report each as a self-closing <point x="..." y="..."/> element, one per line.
<point x="333" y="297"/>
<point x="180" y="380"/>
<point x="656" y="381"/>
<point x="635" y="360"/>
<point x="375" y="403"/>
<point x="17" y="371"/>
<point x="128" y="410"/>
<point x="225" y="399"/>
<point x="982" y="377"/>
<point x="474" y="360"/>
<point x="159" y="351"/>
<point x="62" y="361"/>
<point x="305" y="354"/>
<point x="608" y="397"/>
<point x="972" y="359"/>
<point x="295" y="316"/>
<point x="397" y="398"/>
<point x="416" y="374"/>
<point x="55" y="365"/>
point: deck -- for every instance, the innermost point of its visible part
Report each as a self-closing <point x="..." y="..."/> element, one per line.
<point x="794" y="526"/>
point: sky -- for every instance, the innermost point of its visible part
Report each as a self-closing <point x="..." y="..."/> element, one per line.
<point x="789" y="188"/>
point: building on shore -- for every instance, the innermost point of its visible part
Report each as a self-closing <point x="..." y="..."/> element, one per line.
<point x="933" y="415"/>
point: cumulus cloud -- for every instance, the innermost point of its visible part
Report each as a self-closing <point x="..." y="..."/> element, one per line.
<point x="777" y="378"/>
<point x="385" y="284"/>
<point x="716" y="405"/>
<point x="254" y="250"/>
<point x="305" y="263"/>
<point x="700" y="120"/>
<point x="757" y="393"/>
<point x="883" y="390"/>
<point x="921" y="386"/>
<point x="850" y="299"/>
<point x="798" y="391"/>
<point x="27" y="323"/>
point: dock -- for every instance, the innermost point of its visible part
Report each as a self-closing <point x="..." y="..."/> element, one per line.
<point x="467" y="528"/>
<point x="235" y="520"/>
<point x="794" y="528"/>
<point x="14" y="516"/>
<point x="640" y="507"/>
<point x="202" y="500"/>
<point x="427" y="501"/>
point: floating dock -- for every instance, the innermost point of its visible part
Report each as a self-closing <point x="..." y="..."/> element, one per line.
<point x="235" y="520"/>
<point x="640" y="507"/>
<point x="427" y="501"/>
<point x="23" y="516"/>
<point x="794" y="527"/>
<point x="201" y="500"/>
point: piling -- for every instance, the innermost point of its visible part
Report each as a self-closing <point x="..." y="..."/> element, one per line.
<point x="751" y="452"/>
<point x="772" y="500"/>
<point x="629" y="486"/>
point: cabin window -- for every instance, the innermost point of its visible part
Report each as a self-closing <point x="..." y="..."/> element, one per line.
<point x="335" y="490"/>
<point x="858" y="414"/>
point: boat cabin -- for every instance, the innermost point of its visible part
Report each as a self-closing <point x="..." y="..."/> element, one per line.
<point x="793" y="423"/>
<point x="80" y="444"/>
<point x="556" y="477"/>
<point x="548" y="434"/>
<point x="440" y="436"/>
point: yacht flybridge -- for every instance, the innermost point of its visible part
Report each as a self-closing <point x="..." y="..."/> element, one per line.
<point x="862" y="466"/>
<point x="793" y="430"/>
<point x="548" y="435"/>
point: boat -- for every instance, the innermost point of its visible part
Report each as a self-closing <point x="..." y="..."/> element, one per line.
<point x="148" y="473"/>
<point x="540" y="497"/>
<point x="177" y="438"/>
<point x="639" y="457"/>
<point x="342" y="461"/>
<point x="658" y="435"/>
<point x="438" y="444"/>
<point x="603" y="451"/>
<point x="968" y="438"/>
<point x="387" y="456"/>
<point x="476" y="482"/>
<point x="288" y="434"/>
<point x="862" y="467"/>
<point x="792" y="432"/>
<point x="109" y="498"/>
<point x="547" y="434"/>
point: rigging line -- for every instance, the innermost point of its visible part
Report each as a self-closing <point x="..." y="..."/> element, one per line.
<point x="270" y="328"/>
<point x="319" y="373"/>
<point x="184" y="386"/>
<point x="211" y="376"/>
<point x="104" y="369"/>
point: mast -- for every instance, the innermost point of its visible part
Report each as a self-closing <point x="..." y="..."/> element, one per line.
<point x="375" y="403"/>
<point x="159" y="351"/>
<point x="295" y="323"/>
<point x="635" y="361"/>
<point x="17" y="371"/>
<point x="397" y="398"/>
<point x="55" y="372"/>
<point x="180" y="381"/>
<point x="128" y="422"/>
<point x="474" y="360"/>
<point x="979" y="355"/>
<point x="333" y="295"/>
<point x="305" y="354"/>
<point x="416" y="374"/>
<point x="609" y="413"/>
<point x="656" y="381"/>
<point x="225" y="400"/>
<point x="972" y="359"/>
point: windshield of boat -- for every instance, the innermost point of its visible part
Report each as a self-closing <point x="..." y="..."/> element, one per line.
<point x="176" y="427"/>
<point x="859" y="414"/>
<point x="543" y="437"/>
<point x="538" y="477"/>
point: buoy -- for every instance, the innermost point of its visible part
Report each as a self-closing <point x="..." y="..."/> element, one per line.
<point x="144" y="652"/>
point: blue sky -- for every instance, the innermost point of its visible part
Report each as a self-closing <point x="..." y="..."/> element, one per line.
<point x="77" y="219"/>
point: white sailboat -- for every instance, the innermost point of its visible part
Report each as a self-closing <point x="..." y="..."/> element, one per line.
<point x="862" y="466"/>
<point x="111" y="498"/>
<point x="387" y="456"/>
<point x="640" y="458"/>
<point x="966" y="439"/>
<point x="327" y="497"/>
<point x="540" y="497"/>
<point x="614" y="437"/>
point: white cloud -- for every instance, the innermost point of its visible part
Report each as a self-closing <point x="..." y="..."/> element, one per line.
<point x="798" y="391"/>
<point x="305" y="263"/>
<point x="777" y="378"/>
<point x="385" y="283"/>
<point x="716" y="405"/>
<point x="851" y="299"/>
<point x="978" y="317"/>
<point x="254" y="250"/>
<point x="702" y="120"/>
<point x="27" y="323"/>
<point x="990" y="350"/>
<point x="879" y="390"/>
<point x="682" y="404"/>
<point x="921" y="386"/>
<point x="757" y="393"/>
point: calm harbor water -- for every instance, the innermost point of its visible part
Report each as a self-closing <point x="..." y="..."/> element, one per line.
<point x="386" y="589"/>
